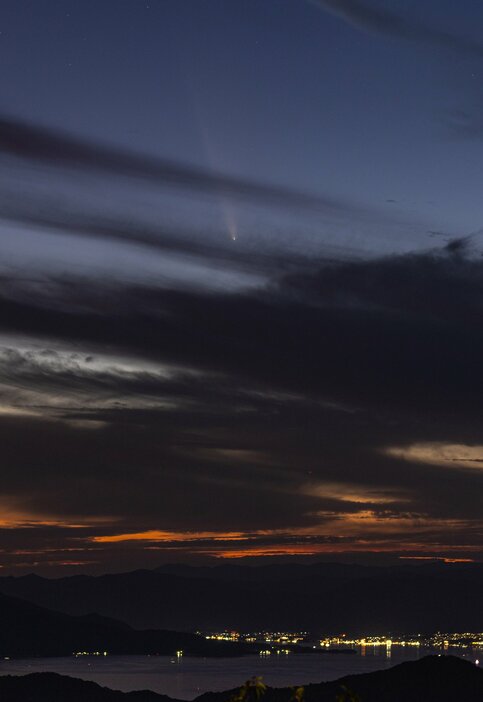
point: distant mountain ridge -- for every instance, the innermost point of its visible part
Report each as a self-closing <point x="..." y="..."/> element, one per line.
<point x="317" y="597"/>
<point x="29" y="630"/>
<point x="268" y="572"/>
<point x="432" y="679"/>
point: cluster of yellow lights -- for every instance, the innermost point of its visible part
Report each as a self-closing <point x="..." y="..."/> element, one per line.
<point x="264" y="636"/>
<point x="467" y="639"/>
<point x="438" y="640"/>
<point x="370" y="641"/>
<point x="224" y="636"/>
<point x="89" y="653"/>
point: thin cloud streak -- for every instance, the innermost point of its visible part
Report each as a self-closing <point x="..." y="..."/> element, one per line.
<point x="159" y="239"/>
<point x="55" y="148"/>
<point x="33" y="145"/>
<point x="333" y="228"/>
<point x="380" y="21"/>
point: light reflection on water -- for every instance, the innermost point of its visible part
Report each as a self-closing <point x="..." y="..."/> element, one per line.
<point x="189" y="677"/>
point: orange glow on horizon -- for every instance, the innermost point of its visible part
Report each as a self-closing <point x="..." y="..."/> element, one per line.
<point x="365" y="531"/>
<point x="173" y="536"/>
<point x="304" y="551"/>
<point x="444" y="559"/>
<point x="23" y="520"/>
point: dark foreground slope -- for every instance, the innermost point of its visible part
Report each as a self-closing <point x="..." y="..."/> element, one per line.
<point x="51" y="687"/>
<point x="433" y="679"/>
<point x="29" y="630"/>
<point x="317" y="597"/>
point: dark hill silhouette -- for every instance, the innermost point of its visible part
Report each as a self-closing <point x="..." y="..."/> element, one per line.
<point x="432" y="679"/>
<point x="29" y="630"/>
<point x="50" y="687"/>
<point x="318" y="597"/>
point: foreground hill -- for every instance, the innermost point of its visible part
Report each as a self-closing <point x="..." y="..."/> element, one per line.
<point x="30" y="630"/>
<point x="317" y="597"/>
<point x="432" y="679"/>
<point x="51" y="687"/>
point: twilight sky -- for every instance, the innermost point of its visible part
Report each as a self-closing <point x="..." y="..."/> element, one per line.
<point x="241" y="281"/>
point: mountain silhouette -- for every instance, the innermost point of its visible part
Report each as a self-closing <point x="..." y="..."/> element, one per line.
<point x="317" y="597"/>
<point x="29" y="630"/>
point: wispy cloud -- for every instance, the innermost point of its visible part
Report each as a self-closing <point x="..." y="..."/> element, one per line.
<point x="55" y="148"/>
<point x="440" y="454"/>
<point x="219" y="414"/>
<point x="70" y="209"/>
<point x="369" y="18"/>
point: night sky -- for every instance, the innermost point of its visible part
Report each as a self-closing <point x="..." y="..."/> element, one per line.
<point x="241" y="282"/>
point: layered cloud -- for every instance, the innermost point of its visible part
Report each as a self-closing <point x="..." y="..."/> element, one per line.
<point x="331" y="407"/>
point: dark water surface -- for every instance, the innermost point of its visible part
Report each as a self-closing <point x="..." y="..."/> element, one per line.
<point x="189" y="677"/>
